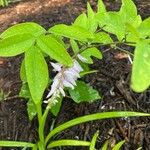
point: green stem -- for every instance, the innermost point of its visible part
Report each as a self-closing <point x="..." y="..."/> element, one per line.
<point x="41" y="128"/>
<point x="83" y="48"/>
<point x="125" y="51"/>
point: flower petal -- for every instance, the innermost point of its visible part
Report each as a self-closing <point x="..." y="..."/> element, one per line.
<point x="67" y="84"/>
<point x="53" y="87"/>
<point x="56" y="66"/>
<point x="83" y="59"/>
<point x="62" y="91"/>
<point x="77" y="66"/>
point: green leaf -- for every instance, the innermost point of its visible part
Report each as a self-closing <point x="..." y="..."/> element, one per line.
<point x="83" y="73"/>
<point x="73" y="32"/>
<point x="118" y="145"/>
<point x="59" y="39"/>
<point x="93" y="142"/>
<point x="105" y="146"/>
<point x="92" y="22"/>
<point x="141" y="67"/>
<point x="81" y="21"/>
<point x="74" y="46"/>
<point x="92" y="117"/>
<point x="144" y="28"/>
<point x="25" y="92"/>
<point x="36" y="72"/>
<point x="128" y="11"/>
<point x="54" y="49"/>
<point x="93" y="51"/>
<point x="102" y="37"/>
<point x="23" y="72"/>
<point x="112" y="23"/>
<point x="15" y="45"/>
<point x="56" y="108"/>
<point x="132" y="33"/>
<point x="136" y="23"/>
<point x="83" y="93"/>
<point x="101" y="7"/>
<point x="31" y="109"/>
<point x="16" y="144"/>
<point x="24" y="28"/>
<point x="67" y="142"/>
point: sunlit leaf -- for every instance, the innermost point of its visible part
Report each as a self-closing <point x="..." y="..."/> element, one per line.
<point x="92" y="117"/>
<point x="128" y="11"/>
<point x="141" y="67"/>
<point x="83" y="93"/>
<point x="137" y="21"/>
<point x="112" y="23"/>
<point x="36" y="72"/>
<point x="101" y="7"/>
<point x="24" y="28"/>
<point x="16" y="144"/>
<point x="81" y="21"/>
<point x="92" y="22"/>
<point x="132" y="33"/>
<point x="54" y="49"/>
<point x="73" y="32"/>
<point x="102" y="37"/>
<point x="15" y="45"/>
<point x="144" y="28"/>
<point x="67" y="142"/>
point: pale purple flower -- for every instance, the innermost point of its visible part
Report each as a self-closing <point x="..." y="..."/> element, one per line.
<point x="66" y="77"/>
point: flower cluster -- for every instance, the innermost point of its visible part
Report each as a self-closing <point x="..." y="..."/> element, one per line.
<point x="66" y="77"/>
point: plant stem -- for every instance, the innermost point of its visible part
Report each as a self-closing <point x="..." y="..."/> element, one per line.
<point x="41" y="128"/>
<point x="125" y="51"/>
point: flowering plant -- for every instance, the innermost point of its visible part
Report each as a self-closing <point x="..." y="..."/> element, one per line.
<point x="86" y="34"/>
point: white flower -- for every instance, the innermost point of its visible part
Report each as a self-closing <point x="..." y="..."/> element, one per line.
<point x="66" y="77"/>
<point x="82" y="58"/>
<point x="56" y="66"/>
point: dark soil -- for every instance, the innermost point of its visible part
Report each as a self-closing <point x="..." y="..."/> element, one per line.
<point x="112" y="81"/>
